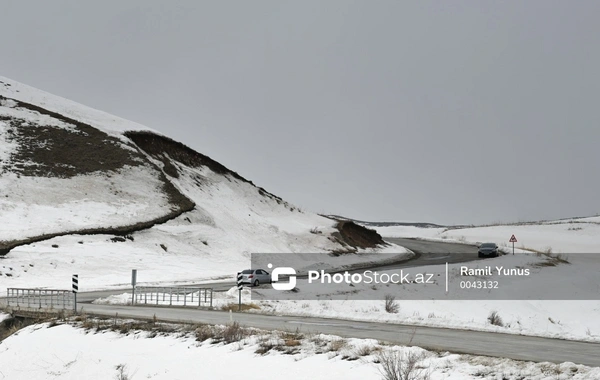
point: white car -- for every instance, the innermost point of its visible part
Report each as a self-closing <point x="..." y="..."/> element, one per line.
<point x="255" y="277"/>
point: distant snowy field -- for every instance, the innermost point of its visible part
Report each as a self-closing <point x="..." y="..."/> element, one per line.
<point x="77" y="354"/>
<point x="571" y="236"/>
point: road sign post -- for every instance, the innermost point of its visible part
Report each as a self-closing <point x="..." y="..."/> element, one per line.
<point x="133" y="281"/>
<point x="240" y="286"/>
<point x="75" y="280"/>
<point x="513" y="240"/>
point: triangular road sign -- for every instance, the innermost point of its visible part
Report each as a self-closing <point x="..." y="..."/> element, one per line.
<point x="513" y="239"/>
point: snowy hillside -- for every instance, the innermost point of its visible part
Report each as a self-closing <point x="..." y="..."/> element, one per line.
<point x="85" y="192"/>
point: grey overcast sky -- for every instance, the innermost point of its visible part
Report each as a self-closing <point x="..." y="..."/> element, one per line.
<point x="439" y="111"/>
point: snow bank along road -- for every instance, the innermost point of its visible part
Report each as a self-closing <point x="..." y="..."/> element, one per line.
<point x="459" y="341"/>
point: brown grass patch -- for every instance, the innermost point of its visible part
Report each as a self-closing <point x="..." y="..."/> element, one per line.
<point x="336" y="345"/>
<point x="236" y="307"/>
<point x="292" y="343"/>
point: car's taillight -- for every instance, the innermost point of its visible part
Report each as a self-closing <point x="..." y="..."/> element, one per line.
<point x="251" y="276"/>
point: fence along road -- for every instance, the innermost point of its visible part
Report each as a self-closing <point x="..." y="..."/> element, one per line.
<point x="43" y="299"/>
<point x="49" y="300"/>
<point x="173" y="296"/>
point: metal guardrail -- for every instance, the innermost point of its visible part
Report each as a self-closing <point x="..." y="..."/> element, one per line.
<point x="174" y="296"/>
<point x="40" y="298"/>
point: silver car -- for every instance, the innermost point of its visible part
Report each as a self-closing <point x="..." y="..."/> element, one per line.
<point x="255" y="277"/>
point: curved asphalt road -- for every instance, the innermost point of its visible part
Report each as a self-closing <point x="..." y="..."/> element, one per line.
<point x="432" y="253"/>
<point x="517" y="347"/>
<point x="427" y="253"/>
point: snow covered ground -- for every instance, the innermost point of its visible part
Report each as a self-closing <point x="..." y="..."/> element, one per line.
<point x="102" y="120"/>
<point x="40" y="205"/>
<point x="104" y="264"/>
<point x="571" y="236"/>
<point x="65" y="351"/>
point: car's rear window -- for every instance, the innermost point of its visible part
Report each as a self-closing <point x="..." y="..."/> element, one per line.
<point x="247" y="271"/>
<point x="488" y="245"/>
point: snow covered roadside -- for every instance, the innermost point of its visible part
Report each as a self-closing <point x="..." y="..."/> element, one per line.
<point x="576" y="320"/>
<point x="65" y="351"/>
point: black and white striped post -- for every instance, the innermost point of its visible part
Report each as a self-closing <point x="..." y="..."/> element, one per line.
<point x="75" y="290"/>
<point x="133" y="282"/>
<point x="240" y="277"/>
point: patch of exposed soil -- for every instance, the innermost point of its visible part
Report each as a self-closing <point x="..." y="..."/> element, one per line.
<point x="50" y="151"/>
<point x="358" y="236"/>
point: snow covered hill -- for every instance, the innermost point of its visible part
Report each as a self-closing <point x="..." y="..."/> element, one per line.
<point x="82" y="191"/>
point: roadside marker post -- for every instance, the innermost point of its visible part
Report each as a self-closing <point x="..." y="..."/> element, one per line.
<point x="133" y="281"/>
<point x="240" y="277"/>
<point x="75" y="290"/>
<point x="513" y="240"/>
